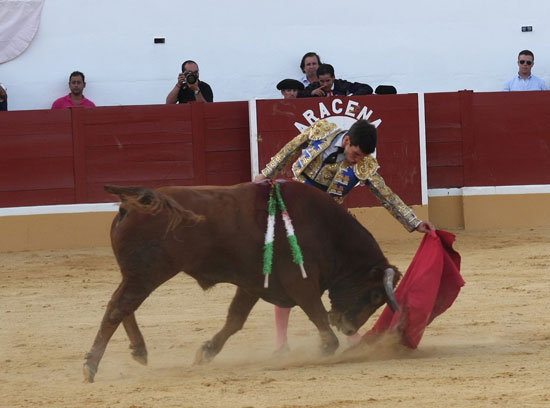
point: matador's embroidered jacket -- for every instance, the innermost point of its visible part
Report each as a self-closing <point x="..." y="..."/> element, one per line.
<point x="338" y="178"/>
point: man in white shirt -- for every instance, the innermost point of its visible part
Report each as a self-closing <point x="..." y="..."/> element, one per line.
<point x="309" y="64"/>
<point x="524" y="81"/>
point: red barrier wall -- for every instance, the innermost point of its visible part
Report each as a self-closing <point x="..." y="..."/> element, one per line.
<point x="444" y="140"/>
<point x="226" y="143"/>
<point x="36" y="158"/>
<point x="487" y="139"/>
<point x="66" y="156"/>
<point x="510" y="141"/>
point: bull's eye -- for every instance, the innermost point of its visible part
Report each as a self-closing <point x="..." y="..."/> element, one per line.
<point x="376" y="297"/>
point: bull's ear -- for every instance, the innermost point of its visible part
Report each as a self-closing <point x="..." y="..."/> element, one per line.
<point x="376" y="274"/>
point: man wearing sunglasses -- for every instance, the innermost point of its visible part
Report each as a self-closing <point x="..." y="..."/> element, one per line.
<point x="524" y="81"/>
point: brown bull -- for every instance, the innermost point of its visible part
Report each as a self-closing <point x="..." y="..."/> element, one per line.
<point x="216" y="234"/>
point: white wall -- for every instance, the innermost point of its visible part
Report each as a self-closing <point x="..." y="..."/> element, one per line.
<point x="245" y="47"/>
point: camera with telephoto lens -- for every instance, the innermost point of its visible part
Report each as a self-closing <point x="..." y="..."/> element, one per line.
<point x="190" y="77"/>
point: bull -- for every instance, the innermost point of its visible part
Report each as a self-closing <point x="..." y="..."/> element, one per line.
<point x="216" y="234"/>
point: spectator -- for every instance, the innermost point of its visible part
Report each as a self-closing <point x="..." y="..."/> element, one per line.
<point x="385" y="90"/>
<point x="3" y="97"/>
<point x="189" y="88"/>
<point x="328" y="86"/>
<point x="77" y="84"/>
<point x="310" y="63"/>
<point x="289" y="88"/>
<point x="524" y="81"/>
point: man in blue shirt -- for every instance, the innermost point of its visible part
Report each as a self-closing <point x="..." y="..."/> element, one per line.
<point x="524" y="81"/>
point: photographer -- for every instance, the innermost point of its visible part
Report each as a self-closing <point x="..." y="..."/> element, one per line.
<point x="189" y="88"/>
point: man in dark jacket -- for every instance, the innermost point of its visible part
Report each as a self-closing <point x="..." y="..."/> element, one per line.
<point x="328" y="86"/>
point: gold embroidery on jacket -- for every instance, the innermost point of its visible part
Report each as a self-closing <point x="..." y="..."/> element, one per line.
<point x="319" y="137"/>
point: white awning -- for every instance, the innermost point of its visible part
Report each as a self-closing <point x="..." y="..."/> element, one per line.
<point x="19" y="21"/>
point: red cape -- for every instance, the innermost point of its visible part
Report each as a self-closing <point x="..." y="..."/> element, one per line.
<point x="429" y="287"/>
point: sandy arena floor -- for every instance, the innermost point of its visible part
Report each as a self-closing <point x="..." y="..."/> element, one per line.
<point x="492" y="348"/>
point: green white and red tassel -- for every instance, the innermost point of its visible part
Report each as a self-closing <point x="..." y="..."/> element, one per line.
<point x="270" y="234"/>
<point x="269" y="237"/>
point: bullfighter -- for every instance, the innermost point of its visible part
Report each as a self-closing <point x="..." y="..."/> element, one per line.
<point x="335" y="161"/>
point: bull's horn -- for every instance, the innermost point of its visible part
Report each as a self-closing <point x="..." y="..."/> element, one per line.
<point x="389" y="273"/>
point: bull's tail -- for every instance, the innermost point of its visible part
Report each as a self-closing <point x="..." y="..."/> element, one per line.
<point x="147" y="201"/>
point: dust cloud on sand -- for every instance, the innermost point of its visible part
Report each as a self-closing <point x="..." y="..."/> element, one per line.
<point x="492" y="348"/>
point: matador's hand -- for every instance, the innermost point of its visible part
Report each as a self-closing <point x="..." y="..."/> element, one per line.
<point x="259" y="178"/>
<point x="425" y="227"/>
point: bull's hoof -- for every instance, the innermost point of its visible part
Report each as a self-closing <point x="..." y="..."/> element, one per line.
<point x="329" y="348"/>
<point x="140" y="358"/>
<point x="329" y="345"/>
<point x="89" y="373"/>
<point x="205" y="354"/>
<point x="139" y="354"/>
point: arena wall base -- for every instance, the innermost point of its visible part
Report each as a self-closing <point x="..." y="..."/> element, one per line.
<point x="455" y="212"/>
<point x="80" y="230"/>
<point x="447" y="212"/>
<point x="54" y="231"/>
<point x="494" y="211"/>
<point x="506" y="211"/>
